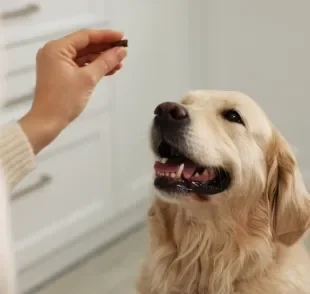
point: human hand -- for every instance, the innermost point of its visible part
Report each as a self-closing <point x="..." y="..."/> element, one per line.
<point x="68" y="70"/>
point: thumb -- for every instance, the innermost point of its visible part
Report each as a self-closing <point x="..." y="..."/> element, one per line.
<point x="106" y="62"/>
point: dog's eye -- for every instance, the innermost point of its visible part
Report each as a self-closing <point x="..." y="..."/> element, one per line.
<point x="232" y="116"/>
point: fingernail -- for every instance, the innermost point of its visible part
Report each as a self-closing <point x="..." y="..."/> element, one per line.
<point x="121" y="53"/>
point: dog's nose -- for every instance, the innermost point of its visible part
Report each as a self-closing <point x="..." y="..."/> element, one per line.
<point x="171" y="110"/>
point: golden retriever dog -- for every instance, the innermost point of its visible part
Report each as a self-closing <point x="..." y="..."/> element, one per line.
<point x="231" y="207"/>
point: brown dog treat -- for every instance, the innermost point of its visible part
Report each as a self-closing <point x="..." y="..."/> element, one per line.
<point x="121" y="43"/>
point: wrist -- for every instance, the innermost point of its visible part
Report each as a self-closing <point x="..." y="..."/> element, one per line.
<point x="40" y="130"/>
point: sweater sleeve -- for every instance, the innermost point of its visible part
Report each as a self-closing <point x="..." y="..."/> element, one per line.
<point x="16" y="155"/>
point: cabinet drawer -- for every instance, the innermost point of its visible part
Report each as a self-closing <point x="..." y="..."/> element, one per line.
<point x="67" y="196"/>
<point x="34" y="14"/>
<point x="17" y="102"/>
<point x="21" y="53"/>
<point x="24" y="57"/>
<point x="20" y="87"/>
<point x="78" y="132"/>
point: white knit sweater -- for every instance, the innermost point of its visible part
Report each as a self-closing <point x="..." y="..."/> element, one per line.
<point x="17" y="160"/>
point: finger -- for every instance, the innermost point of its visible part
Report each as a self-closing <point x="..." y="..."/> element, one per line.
<point x="89" y="58"/>
<point x="81" y="39"/>
<point x="115" y="70"/>
<point x="106" y="62"/>
<point x="94" y="48"/>
<point x="111" y="73"/>
<point x="119" y="66"/>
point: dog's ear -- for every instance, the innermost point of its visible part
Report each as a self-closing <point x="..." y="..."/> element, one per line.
<point x="288" y="198"/>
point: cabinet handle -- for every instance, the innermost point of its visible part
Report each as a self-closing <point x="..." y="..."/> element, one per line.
<point x="41" y="183"/>
<point x="23" y="11"/>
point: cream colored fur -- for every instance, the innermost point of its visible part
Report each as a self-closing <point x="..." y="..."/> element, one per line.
<point x="246" y="240"/>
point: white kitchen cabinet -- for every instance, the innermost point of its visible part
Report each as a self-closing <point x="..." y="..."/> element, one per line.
<point x="68" y="199"/>
<point x="67" y="196"/>
<point x="93" y="183"/>
<point x="29" y="14"/>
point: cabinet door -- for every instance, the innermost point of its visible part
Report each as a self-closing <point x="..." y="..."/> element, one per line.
<point x="68" y="196"/>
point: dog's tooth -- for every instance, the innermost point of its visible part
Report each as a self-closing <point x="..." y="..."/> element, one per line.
<point x="173" y="175"/>
<point x="164" y="160"/>
<point x="180" y="170"/>
<point x="211" y="173"/>
<point x="167" y="174"/>
<point x="196" y="175"/>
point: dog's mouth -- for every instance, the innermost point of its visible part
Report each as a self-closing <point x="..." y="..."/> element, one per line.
<point x="175" y="173"/>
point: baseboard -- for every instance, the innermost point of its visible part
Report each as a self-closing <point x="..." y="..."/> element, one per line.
<point x="44" y="271"/>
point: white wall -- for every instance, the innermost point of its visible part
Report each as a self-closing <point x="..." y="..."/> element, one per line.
<point x="263" y="49"/>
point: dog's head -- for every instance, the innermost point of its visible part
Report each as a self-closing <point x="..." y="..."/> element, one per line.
<point x="218" y="151"/>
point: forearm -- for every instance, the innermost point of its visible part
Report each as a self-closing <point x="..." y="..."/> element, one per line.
<point x="40" y="130"/>
<point x="16" y="154"/>
<point x="21" y="141"/>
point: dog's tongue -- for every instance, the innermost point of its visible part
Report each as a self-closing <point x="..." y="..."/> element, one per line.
<point x="188" y="170"/>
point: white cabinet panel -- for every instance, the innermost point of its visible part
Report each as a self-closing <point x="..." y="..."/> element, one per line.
<point x="19" y="102"/>
<point x="29" y="15"/>
<point x="24" y="57"/>
<point x="67" y="196"/>
<point x="20" y="86"/>
<point x="70" y="193"/>
<point x="23" y="46"/>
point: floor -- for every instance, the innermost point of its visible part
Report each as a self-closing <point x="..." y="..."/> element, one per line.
<point x="112" y="271"/>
